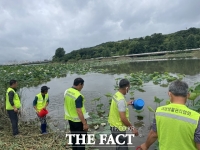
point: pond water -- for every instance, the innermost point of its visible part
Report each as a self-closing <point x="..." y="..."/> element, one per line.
<point x="98" y="84"/>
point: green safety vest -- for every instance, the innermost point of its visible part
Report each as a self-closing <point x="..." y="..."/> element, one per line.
<point x="114" y="117"/>
<point x="16" y="100"/>
<point x="70" y="97"/>
<point x="176" y="125"/>
<point x="41" y="103"/>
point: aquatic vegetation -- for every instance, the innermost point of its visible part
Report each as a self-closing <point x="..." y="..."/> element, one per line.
<point x="139" y="114"/>
<point x="109" y="97"/>
<point x="194" y="100"/>
<point x="138" y="79"/>
<point x="157" y="100"/>
<point x="98" y="117"/>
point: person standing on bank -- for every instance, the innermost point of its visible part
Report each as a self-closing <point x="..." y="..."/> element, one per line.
<point x="175" y="125"/>
<point x="12" y="106"/>
<point x="75" y="112"/>
<point x="119" y="115"/>
<point x="40" y="102"/>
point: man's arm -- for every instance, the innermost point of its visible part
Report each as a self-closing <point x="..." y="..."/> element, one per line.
<point x="122" y="113"/>
<point x="130" y="102"/>
<point x="46" y="104"/>
<point x="35" y="103"/>
<point x="152" y="137"/>
<point x="124" y="119"/>
<point x="81" y="116"/>
<point x="79" y="105"/>
<point x="11" y="97"/>
<point x="198" y="146"/>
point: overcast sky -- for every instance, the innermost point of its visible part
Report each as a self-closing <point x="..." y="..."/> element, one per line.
<point x="34" y="29"/>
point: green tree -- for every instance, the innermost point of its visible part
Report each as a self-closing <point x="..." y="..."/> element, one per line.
<point x="88" y="56"/>
<point x="156" y="39"/>
<point x="110" y="44"/>
<point x="113" y="50"/>
<point x="171" y="45"/>
<point x="124" y="44"/>
<point x="84" y="57"/>
<point x="96" y="55"/>
<point x="106" y="53"/>
<point x="161" y="47"/>
<point x="121" y="52"/>
<point x="78" y="56"/>
<point x="197" y="37"/>
<point x="66" y="58"/>
<point x="191" y="41"/>
<point x="180" y="44"/>
<point x="59" y="54"/>
<point x="156" y="42"/>
<point x="147" y="38"/>
<point x="136" y="47"/>
<point x="132" y="49"/>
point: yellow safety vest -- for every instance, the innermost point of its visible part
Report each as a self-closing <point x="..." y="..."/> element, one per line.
<point x="16" y="100"/>
<point x="114" y="117"/>
<point x="41" y="103"/>
<point x="71" y="95"/>
<point x="176" y="125"/>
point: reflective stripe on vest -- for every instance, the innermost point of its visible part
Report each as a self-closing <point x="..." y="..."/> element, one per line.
<point x="16" y="100"/>
<point x="114" y="117"/>
<point x="176" y="125"/>
<point x="71" y="95"/>
<point x="41" y="102"/>
<point x="193" y="121"/>
<point x="117" y="101"/>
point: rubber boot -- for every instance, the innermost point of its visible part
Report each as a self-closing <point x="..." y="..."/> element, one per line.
<point x="43" y="128"/>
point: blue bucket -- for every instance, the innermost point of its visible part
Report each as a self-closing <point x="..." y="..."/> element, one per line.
<point x="138" y="104"/>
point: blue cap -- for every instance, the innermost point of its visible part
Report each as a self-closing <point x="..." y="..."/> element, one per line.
<point x="138" y="104"/>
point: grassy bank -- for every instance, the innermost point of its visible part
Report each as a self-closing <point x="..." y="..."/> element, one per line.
<point x="30" y="137"/>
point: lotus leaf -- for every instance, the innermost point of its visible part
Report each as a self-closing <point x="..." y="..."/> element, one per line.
<point x="193" y="96"/>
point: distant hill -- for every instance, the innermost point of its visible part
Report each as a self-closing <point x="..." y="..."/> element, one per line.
<point x="184" y="39"/>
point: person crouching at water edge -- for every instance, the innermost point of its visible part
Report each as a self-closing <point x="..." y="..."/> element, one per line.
<point x="75" y="112"/>
<point x="119" y="115"/>
<point x="40" y="103"/>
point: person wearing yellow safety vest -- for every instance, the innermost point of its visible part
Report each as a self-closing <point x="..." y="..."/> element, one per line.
<point x="75" y="112"/>
<point x="40" y="102"/>
<point x="175" y="125"/>
<point x="12" y="106"/>
<point x="119" y="115"/>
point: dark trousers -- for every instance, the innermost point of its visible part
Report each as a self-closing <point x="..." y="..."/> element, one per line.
<point x="115" y="132"/>
<point x="43" y="124"/>
<point x="14" y="121"/>
<point x="77" y="128"/>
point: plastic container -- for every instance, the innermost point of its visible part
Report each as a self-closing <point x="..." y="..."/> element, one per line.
<point x="138" y="104"/>
<point x="43" y="113"/>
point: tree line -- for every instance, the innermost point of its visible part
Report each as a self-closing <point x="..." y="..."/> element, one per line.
<point x="184" y="39"/>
